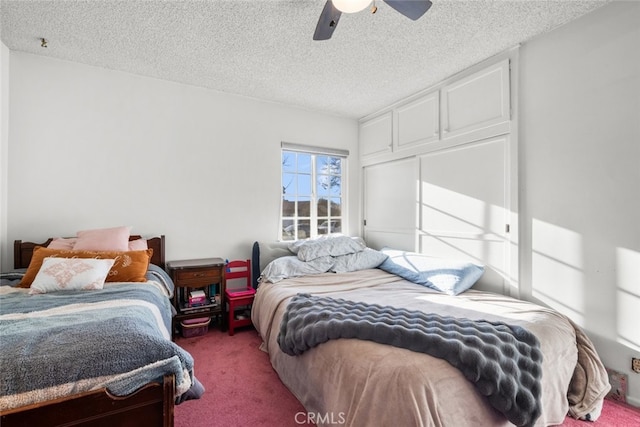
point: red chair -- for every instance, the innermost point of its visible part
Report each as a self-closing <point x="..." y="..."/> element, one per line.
<point x="239" y="297"/>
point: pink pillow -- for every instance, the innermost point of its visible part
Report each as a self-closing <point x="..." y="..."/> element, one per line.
<point x="62" y="243"/>
<point x="103" y="239"/>
<point x="138" y="245"/>
<point x="68" y="243"/>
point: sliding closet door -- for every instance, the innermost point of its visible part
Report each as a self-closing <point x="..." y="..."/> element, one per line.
<point x="464" y="207"/>
<point x="391" y="203"/>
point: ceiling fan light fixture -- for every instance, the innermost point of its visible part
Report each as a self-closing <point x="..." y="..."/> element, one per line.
<point x="351" y="6"/>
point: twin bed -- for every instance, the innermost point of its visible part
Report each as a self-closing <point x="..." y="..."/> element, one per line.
<point x="99" y="357"/>
<point x="357" y="381"/>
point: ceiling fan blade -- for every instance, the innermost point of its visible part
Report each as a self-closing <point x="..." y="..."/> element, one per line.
<point x="328" y="21"/>
<point x="412" y="9"/>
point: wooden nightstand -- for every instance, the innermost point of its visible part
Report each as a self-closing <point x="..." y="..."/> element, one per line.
<point x="206" y="274"/>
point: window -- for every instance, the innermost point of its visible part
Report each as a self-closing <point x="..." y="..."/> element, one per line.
<point x="312" y="192"/>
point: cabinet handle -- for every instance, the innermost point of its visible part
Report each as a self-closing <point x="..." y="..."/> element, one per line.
<point x="198" y="274"/>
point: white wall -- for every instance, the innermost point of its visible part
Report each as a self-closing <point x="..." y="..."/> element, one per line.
<point x="4" y="146"/>
<point x="580" y="178"/>
<point x="91" y="147"/>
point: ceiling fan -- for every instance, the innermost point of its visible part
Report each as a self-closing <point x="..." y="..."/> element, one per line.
<point x="333" y="9"/>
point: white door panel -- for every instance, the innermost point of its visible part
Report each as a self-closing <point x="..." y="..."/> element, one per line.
<point x="478" y="101"/>
<point x="464" y="206"/>
<point x="390" y="198"/>
<point x="376" y="135"/>
<point x="418" y="121"/>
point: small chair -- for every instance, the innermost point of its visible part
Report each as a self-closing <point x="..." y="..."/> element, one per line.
<point x="235" y="298"/>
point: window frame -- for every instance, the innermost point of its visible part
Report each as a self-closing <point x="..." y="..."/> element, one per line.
<point x="314" y="197"/>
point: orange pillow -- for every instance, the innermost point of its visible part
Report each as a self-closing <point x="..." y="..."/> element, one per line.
<point x="129" y="266"/>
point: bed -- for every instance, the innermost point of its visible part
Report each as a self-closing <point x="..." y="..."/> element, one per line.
<point x="98" y="357"/>
<point x="348" y="377"/>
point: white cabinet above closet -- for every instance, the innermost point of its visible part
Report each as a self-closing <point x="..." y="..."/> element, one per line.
<point x="418" y="121"/>
<point x="376" y="135"/>
<point x="477" y="104"/>
<point x="468" y="107"/>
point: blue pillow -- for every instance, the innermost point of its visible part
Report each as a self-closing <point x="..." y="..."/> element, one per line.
<point x="450" y="276"/>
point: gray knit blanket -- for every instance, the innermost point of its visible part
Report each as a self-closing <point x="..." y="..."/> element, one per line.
<point x="504" y="362"/>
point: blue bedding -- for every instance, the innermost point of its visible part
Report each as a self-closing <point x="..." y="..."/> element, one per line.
<point x="66" y="342"/>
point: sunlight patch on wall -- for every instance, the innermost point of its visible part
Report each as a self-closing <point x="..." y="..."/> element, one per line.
<point x="464" y="207"/>
<point x="558" y="278"/>
<point x="628" y="297"/>
<point x="456" y="225"/>
<point x="448" y="210"/>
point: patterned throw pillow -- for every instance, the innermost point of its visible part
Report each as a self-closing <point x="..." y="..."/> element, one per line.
<point x="129" y="266"/>
<point x="57" y="274"/>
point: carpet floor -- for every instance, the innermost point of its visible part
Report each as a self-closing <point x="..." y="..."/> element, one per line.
<point x="242" y="389"/>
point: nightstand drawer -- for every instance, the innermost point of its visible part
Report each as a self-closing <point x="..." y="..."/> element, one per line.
<point x="198" y="276"/>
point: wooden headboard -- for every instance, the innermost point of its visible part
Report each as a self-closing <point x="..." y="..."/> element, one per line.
<point x="22" y="251"/>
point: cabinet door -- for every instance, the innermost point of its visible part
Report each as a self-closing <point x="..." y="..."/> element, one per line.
<point x="376" y="135"/>
<point x="418" y="121"/>
<point x="477" y="104"/>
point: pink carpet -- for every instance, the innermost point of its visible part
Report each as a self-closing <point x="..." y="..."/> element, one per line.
<point x="242" y="389"/>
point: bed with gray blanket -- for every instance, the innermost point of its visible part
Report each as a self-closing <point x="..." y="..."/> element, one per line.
<point x="58" y="345"/>
<point x="366" y="347"/>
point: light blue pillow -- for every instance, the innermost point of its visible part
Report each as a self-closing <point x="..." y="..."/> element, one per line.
<point x="450" y="276"/>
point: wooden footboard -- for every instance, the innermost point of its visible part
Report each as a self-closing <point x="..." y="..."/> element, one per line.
<point x="152" y="405"/>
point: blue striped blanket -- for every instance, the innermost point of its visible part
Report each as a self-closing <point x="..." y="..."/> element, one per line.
<point x="61" y="343"/>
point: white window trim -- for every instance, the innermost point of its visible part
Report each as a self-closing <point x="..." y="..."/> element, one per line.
<point x="319" y="151"/>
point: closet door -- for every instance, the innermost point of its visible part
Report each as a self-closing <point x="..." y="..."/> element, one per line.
<point x="390" y="204"/>
<point x="464" y="207"/>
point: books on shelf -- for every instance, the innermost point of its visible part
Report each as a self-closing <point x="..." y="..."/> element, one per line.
<point x="197" y="298"/>
<point x="205" y="305"/>
<point x="185" y="308"/>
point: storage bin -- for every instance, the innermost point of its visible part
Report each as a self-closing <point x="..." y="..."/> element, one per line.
<point x="195" y="327"/>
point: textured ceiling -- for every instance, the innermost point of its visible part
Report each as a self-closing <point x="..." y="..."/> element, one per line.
<point x="264" y="48"/>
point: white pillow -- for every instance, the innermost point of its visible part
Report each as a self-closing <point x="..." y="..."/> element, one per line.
<point x="336" y="246"/>
<point x="58" y="274"/>
<point x="368" y="258"/>
<point x="290" y="266"/>
<point x="295" y="245"/>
